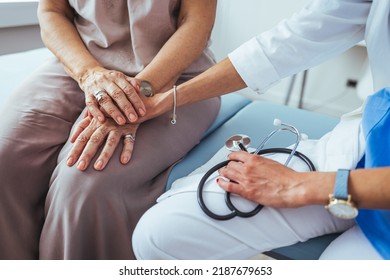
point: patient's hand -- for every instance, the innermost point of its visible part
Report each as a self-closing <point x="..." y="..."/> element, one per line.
<point x="90" y="135"/>
<point x="263" y="180"/>
<point x="119" y="95"/>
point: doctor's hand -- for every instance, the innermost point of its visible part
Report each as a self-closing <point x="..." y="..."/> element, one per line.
<point x="91" y="134"/>
<point x="263" y="180"/>
<point x="114" y="92"/>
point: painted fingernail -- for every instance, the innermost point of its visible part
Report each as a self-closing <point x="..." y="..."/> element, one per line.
<point x="99" y="164"/>
<point x="81" y="165"/>
<point x="217" y="180"/>
<point x="69" y="162"/>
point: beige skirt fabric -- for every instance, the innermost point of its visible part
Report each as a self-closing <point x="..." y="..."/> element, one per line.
<point x="51" y="211"/>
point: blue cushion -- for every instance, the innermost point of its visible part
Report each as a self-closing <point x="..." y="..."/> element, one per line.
<point x="230" y="104"/>
<point x="308" y="250"/>
<point x="256" y="121"/>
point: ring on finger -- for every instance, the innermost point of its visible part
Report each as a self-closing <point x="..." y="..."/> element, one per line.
<point x="99" y="95"/>
<point x="130" y="136"/>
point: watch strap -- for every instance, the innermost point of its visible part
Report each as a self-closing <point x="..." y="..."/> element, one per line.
<point x="341" y="184"/>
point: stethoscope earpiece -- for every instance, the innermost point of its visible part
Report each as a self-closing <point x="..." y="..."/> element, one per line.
<point x="277" y="122"/>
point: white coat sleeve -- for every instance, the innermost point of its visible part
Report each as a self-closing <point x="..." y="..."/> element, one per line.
<point x="321" y="30"/>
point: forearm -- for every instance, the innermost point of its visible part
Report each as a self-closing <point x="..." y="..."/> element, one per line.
<point x="195" y="23"/>
<point x="220" y="79"/>
<point x="61" y="37"/>
<point x="369" y="188"/>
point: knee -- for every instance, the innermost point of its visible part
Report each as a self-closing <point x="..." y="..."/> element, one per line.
<point x="70" y="188"/>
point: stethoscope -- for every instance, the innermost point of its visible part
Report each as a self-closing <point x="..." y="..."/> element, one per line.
<point x="241" y="142"/>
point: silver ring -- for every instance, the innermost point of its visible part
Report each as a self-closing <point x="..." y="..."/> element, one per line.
<point x="99" y="95"/>
<point x="130" y="136"/>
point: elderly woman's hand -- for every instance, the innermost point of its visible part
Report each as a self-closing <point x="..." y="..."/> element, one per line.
<point x="90" y="135"/>
<point x="113" y="91"/>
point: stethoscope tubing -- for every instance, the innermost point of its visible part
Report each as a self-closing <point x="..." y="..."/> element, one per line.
<point x="234" y="211"/>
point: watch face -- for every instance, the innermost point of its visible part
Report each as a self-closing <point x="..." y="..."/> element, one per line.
<point x="146" y="89"/>
<point x="342" y="209"/>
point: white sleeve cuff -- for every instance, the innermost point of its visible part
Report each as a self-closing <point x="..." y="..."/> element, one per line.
<point x="253" y="66"/>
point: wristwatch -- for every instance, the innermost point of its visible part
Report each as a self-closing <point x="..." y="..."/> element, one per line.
<point x="340" y="202"/>
<point x="146" y="89"/>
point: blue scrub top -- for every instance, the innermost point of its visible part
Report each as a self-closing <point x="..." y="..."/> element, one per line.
<point x="376" y="127"/>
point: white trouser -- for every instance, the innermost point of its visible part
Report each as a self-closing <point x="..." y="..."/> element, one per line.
<point x="177" y="228"/>
<point x="351" y="245"/>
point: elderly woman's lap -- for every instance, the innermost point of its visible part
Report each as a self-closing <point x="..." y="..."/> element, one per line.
<point x="98" y="210"/>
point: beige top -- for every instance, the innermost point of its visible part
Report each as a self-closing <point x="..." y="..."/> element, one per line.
<point x="127" y="35"/>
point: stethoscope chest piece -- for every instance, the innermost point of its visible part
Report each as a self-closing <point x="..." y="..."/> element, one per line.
<point x="233" y="143"/>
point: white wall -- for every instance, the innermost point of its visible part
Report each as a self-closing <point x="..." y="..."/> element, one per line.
<point x="19" y="30"/>
<point x="20" y="38"/>
<point x="238" y="21"/>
